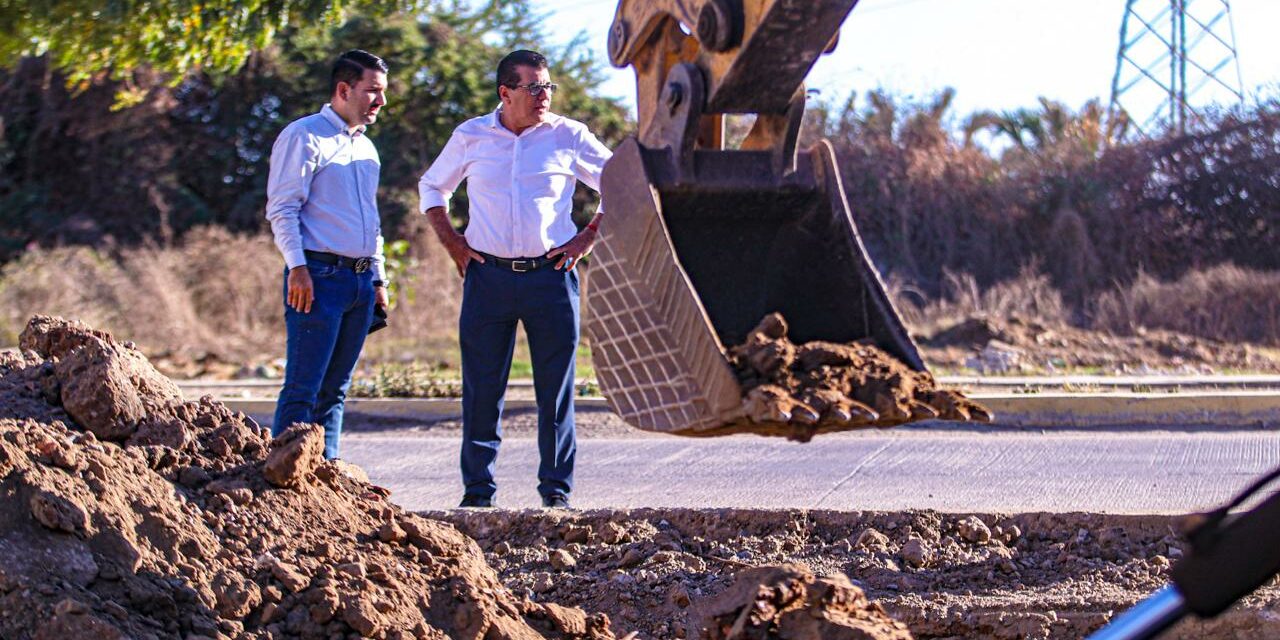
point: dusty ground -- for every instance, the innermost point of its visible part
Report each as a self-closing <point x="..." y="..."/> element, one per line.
<point x="1016" y="345"/>
<point x="944" y="575"/>
<point x="126" y="511"/>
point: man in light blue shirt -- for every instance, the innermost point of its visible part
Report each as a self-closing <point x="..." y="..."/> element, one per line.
<point x="323" y="209"/>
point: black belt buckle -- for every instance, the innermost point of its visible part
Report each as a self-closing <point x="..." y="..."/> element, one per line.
<point x="361" y="265"/>
<point x="521" y="266"/>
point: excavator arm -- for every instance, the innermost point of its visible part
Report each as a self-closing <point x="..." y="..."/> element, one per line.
<point x="703" y="242"/>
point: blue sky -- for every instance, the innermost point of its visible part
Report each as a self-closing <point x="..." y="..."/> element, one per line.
<point x="997" y="54"/>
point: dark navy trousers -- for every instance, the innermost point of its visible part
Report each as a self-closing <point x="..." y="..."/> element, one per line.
<point x="322" y="350"/>
<point x="494" y="299"/>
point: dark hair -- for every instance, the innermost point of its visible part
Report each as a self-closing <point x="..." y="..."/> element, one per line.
<point x="350" y="66"/>
<point x="507" y="74"/>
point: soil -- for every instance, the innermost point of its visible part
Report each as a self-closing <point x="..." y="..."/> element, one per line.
<point x="1034" y="575"/>
<point x="128" y="512"/>
<point x="817" y="387"/>
<point x="1014" y="345"/>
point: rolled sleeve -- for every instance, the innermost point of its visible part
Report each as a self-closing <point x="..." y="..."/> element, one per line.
<point x="380" y="262"/>
<point x="589" y="161"/>
<point x="438" y="183"/>
<point x="293" y="166"/>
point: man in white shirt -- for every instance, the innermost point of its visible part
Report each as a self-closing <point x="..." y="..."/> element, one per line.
<point x="322" y="204"/>
<point x="518" y="260"/>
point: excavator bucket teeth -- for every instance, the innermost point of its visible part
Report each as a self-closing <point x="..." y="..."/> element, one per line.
<point x="685" y="267"/>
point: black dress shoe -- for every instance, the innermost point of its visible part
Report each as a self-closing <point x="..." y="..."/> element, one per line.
<point x="470" y="501"/>
<point x="556" y="501"/>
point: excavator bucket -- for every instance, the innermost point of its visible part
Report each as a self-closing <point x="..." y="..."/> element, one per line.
<point x="683" y="270"/>
<point x="701" y="242"/>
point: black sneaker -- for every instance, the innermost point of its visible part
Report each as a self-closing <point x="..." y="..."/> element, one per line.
<point x="555" y="501"/>
<point x="471" y="501"/>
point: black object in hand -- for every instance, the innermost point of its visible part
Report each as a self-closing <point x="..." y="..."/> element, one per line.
<point x="379" y="318"/>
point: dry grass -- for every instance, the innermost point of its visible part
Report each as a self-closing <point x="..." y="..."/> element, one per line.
<point x="1225" y="302"/>
<point x="204" y="295"/>
<point x="1029" y="295"/>
<point x="214" y="292"/>
<point x="217" y="292"/>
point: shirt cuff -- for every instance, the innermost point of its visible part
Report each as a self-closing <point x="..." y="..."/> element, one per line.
<point x="432" y="199"/>
<point x="295" y="259"/>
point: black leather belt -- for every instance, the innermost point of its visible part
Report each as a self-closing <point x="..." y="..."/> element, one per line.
<point x="518" y="265"/>
<point x="359" y="265"/>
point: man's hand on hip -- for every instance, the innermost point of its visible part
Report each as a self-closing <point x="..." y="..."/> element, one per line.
<point x="574" y="250"/>
<point x="461" y="252"/>
<point x="301" y="291"/>
<point x="380" y="297"/>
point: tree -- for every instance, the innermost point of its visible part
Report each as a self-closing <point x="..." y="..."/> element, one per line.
<point x="73" y="169"/>
<point x="88" y="38"/>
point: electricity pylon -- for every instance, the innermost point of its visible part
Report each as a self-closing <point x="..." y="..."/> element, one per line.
<point x="1173" y="55"/>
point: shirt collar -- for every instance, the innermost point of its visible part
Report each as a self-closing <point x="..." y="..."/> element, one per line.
<point x="495" y="121"/>
<point x="337" y="121"/>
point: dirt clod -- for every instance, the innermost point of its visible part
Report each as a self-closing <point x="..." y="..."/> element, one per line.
<point x="790" y="597"/>
<point x="294" y="454"/>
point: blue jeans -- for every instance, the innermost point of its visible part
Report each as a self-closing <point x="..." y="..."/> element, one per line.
<point x="494" y="299"/>
<point x="323" y="347"/>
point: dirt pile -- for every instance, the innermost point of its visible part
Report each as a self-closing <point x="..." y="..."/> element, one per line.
<point x="127" y="512"/>
<point x="1035" y="575"/>
<point x="801" y="390"/>
<point x="1017" y="345"/>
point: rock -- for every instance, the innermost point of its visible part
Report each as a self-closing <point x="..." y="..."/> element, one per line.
<point x="576" y="534"/>
<point x="193" y="476"/>
<point x="52" y="337"/>
<point x="236" y="597"/>
<point x="571" y="622"/>
<point x="167" y="433"/>
<point x="788" y="601"/>
<point x="915" y="553"/>
<point x="502" y="548"/>
<point x="294" y="454"/>
<point x="58" y="512"/>
<point x="391" y="532"/>
<point x="68" y="625"/>
<point x="872" y="540"/>
<point x="562" y="560"/>
<point x="974" y="530"/>
<point x="324" y="605"/>
<point x="353" y="570"/>
<point x="290" y="577"/>
<point x="360" y="615"/>
<point x="613" y="533"/>
<point x="632" y="557"/>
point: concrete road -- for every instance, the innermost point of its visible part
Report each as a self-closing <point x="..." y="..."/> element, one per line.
<point x="989" y="470"/>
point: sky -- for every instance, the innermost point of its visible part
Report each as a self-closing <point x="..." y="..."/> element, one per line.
<point x="997" y="54"/>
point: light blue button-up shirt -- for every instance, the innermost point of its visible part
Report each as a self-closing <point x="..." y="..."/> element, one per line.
<point x="322" y="191"/>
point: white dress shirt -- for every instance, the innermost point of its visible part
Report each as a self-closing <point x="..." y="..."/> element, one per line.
<point x="322" y="191"/>
<point x="519" y="188"/>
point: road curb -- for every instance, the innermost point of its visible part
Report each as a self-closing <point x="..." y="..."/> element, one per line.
<point x="1241" y="409"/>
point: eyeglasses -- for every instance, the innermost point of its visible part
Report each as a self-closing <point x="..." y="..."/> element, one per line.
<point x="535" y="89"/>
